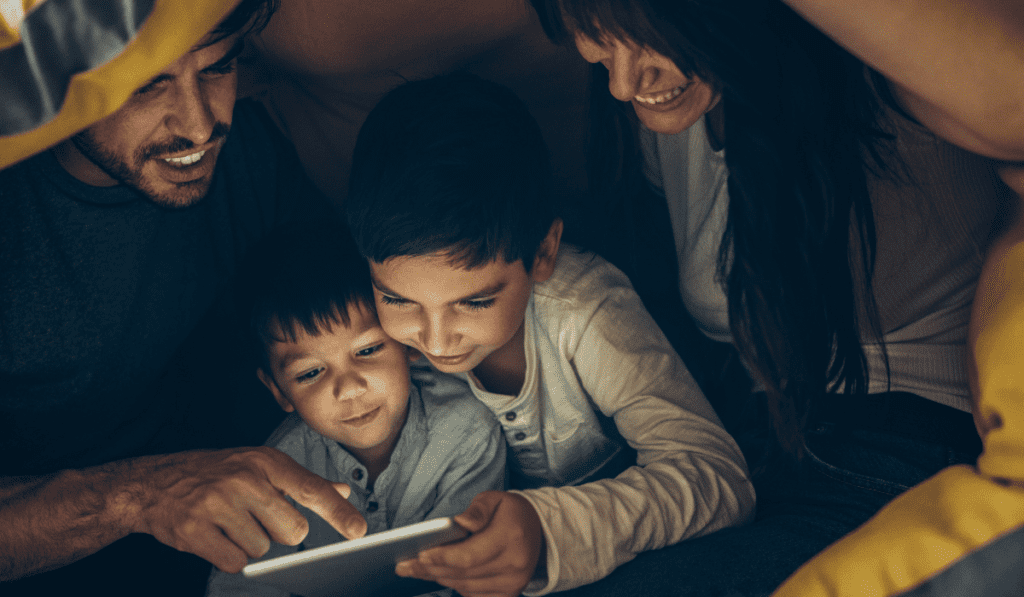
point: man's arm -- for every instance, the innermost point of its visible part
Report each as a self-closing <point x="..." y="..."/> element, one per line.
<point x="223" y="506"/>
<point x="957" y="66"/>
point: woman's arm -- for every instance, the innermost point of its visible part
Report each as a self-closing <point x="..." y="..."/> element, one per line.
<point x="955" y="65"/>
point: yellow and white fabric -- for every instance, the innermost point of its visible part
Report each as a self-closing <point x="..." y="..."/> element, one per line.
<point x="65" y="64"/>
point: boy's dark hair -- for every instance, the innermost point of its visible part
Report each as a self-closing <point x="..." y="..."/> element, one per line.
<point x="453" y="165"/>
<point x="302" y="277"/>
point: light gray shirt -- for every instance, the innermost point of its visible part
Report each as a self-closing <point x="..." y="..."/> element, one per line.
<point x="600" y="371"/>
<point x="450" y="449"/>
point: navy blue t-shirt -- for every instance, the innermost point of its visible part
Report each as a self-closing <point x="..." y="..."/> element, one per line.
<point x="100" y="288"/>
<point x="115" y="338"/>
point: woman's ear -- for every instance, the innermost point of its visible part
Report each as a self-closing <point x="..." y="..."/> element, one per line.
<point x="268" y="381"/>
<point x="547" y="253"/>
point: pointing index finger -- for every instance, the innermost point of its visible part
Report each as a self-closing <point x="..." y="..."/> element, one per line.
<point x="320" y="496"/>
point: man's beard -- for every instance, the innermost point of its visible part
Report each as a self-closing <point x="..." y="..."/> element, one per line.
<point x="129" y="173"/>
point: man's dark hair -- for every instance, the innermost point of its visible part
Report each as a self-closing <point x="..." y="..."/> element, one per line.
<point x="249" y="17"/>
<point x="453" y="165"/>
<point x="304" y="277"/>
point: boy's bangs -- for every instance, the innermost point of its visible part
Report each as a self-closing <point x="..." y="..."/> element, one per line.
<point x="470" y="256"/>
<point x="314" y="322"/>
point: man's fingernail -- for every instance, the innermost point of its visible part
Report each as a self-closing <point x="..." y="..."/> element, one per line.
<point x="403" y="569"/>
<point x="357" y="527"/>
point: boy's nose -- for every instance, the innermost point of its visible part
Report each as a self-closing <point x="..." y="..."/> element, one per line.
<point x="434" y="336"/>
<point x="348" y="385"/>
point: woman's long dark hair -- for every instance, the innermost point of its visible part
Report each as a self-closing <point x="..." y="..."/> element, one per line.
<point x="801" y="131"/>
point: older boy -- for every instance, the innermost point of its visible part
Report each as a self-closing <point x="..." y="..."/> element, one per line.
<point x="451" y="203"/>
<point x="408" y="451"/>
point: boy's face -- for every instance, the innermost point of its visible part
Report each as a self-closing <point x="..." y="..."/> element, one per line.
<point x="458" y="318"/>
<point x="350" y="384"/>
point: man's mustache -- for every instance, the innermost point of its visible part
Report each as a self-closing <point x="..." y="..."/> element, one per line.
<point x="220" y="131"/>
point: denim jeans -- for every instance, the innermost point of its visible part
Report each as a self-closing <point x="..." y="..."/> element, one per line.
<point x="847" y="475"/>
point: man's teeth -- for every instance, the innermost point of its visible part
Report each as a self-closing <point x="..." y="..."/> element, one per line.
<point x="661" y="98"/>
<point x="187" y="160"/>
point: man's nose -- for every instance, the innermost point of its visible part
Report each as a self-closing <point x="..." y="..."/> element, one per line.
<point x="192" y="116"/>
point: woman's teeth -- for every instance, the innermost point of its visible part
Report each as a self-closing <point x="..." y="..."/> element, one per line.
<point x="661" y="98"/>
<point x="187" y="160"/>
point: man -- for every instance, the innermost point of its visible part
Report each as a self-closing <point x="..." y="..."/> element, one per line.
<point x="114" y="246"/>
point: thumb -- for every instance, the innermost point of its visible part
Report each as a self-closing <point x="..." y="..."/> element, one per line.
<point x="480" y="511"/>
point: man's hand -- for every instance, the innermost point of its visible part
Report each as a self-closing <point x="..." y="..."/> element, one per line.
<point x="227" y="505"/>
<point x="499" y="558"/>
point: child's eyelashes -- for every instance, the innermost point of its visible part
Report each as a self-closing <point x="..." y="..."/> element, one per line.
<point x="477" y="304"/>
<point x="392" y="300"/>
<point x="370" y="351"/>
<point x="470" y="304"/>
<point x="308" y="376"/>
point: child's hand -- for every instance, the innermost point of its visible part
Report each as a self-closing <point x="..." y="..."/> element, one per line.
<point x="499" y="558"/>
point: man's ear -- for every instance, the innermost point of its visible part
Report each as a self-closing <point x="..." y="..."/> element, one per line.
<point x="547" y="253"/>
<point x="268" y="381"/>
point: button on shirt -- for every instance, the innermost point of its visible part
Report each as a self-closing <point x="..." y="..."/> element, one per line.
<point x="450" y="449"/>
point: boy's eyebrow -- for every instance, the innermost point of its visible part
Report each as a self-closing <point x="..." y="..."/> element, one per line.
<point x="482" y="293"/>
<point x="288" y="358"/>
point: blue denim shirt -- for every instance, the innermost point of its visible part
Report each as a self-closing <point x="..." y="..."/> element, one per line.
<point x="450" y="449"/>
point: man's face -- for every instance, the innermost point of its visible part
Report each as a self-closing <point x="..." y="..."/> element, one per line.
<point x="164" y="141"/>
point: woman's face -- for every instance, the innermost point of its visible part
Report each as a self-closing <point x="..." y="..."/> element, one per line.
<point x="665" y="100"/>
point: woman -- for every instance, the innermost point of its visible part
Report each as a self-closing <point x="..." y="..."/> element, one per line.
<point x="827" y="226"/>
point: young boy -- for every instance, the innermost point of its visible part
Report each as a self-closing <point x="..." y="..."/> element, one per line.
<point x="409" y="450"/>
<point x="451" y="203"/>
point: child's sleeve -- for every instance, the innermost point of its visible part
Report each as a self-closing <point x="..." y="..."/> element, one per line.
<point x="691" y="479"/>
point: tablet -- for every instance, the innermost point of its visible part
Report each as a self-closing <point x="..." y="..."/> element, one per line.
<point x="363" y="567"/>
